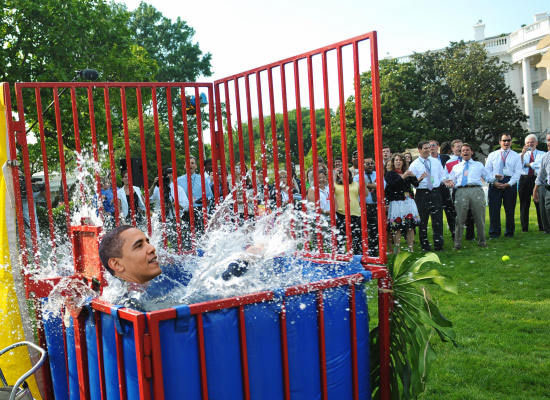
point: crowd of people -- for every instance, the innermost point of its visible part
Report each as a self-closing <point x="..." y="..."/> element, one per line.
<point x="416" y="191"/>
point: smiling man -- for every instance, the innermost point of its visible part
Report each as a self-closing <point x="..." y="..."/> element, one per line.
<point x="127" y="254"/>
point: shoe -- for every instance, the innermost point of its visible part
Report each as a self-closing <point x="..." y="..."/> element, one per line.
<point x="457" y="247"/>
<point x="483" y="244"/>
<point x="509" y="235"/>
<point x="426" y="249"/>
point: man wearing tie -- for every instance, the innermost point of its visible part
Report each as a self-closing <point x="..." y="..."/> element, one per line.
<point x="530" y="161"/>
<point x="466" y="177"/>
<point x="446" y="198"/>
<point x="195" y="198"/>
<point x="430" y="174"/>
<point x="505" y="166"/>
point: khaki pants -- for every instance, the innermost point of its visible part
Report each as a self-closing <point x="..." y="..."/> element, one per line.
<point x="470" y="198"/>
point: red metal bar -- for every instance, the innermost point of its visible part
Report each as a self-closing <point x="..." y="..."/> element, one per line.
<point x="230" y="144"/>
<point x="214" y="145"/>
<point x="377" y="119"/>
<point x="94" y="142"/>
<point x="144" y="160"/>
<point x="343" y="143"/>
<point x="75" y="120"/>
<point x="156" y="351"/>
<point x="244" y="354"/>
<point x="159" y="159"/>
<point x="251" y="145"/>
<point x="188" y="169"/>
<point x="141" y="357"/>
<point x="262" y="140"/>
<point x="274" y="136"/>
<point x="300" y="134"/>
<point x="100" y="361"/>
<point x="241" y="151"/>
<point x="384" y="304"/>
<point x="328" y="139"/>
<point x="288" y="160"/>
<point x="322" y="348"/>
<point x="360" y="153"/>
<point x="201" y="157"/>
<point x="353" y="342"/>
<point x="132" y="204"/>
<point x="202" y="357"/>
<point x="27" y="171"/>
<point x="284" y="351"/>
<point x="79" y="325"/>
<point x="45" y="166"/>
<point x="174" y="167"/>
<point x="111" y="153"/>
<point x="315" y="160"/>
<point x="120" y="366"/>
<point x="113" y="84"/>
<point x="220" y="140"/>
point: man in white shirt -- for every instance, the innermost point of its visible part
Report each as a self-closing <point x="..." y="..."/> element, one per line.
<point x="466" y="178"/>
<point x="430" y="173"/>
<point x="541" y="192"/>
<point x="530" y="161"/>
<point x="504" y="165"/>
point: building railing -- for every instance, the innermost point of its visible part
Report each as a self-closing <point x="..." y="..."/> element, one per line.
<point x="530" y="32"/>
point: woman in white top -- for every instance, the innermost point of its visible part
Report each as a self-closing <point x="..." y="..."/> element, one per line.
<point x="123" y="195"/>
<point x="324" y="201"/>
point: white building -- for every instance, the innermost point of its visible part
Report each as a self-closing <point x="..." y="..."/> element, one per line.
<point x="519" y="48"/>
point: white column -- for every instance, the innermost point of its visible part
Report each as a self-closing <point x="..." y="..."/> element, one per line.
<point x="548" y="79"/>
<point x="527" y="93"/>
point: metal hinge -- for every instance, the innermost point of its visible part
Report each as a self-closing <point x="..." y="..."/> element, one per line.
<point x="147" y="360"/>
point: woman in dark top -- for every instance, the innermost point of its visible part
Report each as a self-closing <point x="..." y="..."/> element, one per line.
<point x="402" y="214"/>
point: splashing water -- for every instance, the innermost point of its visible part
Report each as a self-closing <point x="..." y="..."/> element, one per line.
<point x="264" y="246"/>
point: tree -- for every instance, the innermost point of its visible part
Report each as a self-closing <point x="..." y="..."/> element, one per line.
<point x="458" y="92"/>
<point x="465" y="95"/>
<point x="170" y="45"/>
<point x="400" y="94"/>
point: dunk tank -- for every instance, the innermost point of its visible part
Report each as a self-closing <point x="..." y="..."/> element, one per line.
<point x="305" y="341"/>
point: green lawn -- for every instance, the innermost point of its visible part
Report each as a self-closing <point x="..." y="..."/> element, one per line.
<point x="501" y="317"/>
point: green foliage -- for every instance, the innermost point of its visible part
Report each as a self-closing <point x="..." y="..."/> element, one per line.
<point x="169" y="44"/>
<point x="415" y="321"/>
<point x="466" y="96"/>
<point x="400" y="93"/>
<point x="458" y="92"/>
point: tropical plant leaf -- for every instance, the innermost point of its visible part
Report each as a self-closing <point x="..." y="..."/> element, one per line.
<point x="415" y="322"/>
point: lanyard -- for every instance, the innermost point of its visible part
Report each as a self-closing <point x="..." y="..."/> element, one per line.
<point x="504" y="157"/>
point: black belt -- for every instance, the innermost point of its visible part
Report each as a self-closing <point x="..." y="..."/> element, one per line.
<point x="428" y="190"/>
<point x="468" y="186"/>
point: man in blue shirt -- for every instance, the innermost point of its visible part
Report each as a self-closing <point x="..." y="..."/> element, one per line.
<point x="530" y="161"/>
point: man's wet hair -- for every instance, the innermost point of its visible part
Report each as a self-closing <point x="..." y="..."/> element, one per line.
<point x="422" y="143"/>
<point x="111" y="246"/>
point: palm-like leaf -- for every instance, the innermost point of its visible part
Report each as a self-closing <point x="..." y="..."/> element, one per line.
<point x="415" y="321"/>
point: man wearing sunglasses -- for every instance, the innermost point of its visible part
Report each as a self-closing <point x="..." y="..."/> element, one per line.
<point x="505" y="166"/>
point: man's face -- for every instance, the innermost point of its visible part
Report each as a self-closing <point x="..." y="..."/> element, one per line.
<point x="192" y="165"/>
<point x="386" y="153"/>
<point x="505" y="142"/>
<point x="531" y="142"/>
<point x="456" y="148"/>
<point x="466" y="153"/>
<point x="425" y="150"/>
<point x="434" y="149"/>
<point x="369" y="165"/>
<point x="138" y="262"/>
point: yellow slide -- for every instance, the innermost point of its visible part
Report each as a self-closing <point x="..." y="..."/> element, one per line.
<point x="18" y="362"/>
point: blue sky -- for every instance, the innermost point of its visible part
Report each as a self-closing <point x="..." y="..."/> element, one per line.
<point x="244" y="34"/>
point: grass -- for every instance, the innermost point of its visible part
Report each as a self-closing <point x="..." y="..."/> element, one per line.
<point x="501" y="317"/>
